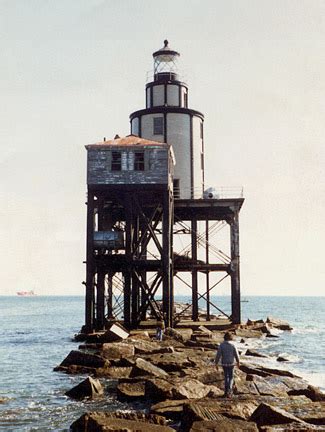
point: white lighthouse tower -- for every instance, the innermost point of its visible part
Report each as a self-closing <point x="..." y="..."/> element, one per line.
<point x="167" y="118"/>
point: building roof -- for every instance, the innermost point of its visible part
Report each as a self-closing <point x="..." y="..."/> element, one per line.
<point x="129" y="140"/>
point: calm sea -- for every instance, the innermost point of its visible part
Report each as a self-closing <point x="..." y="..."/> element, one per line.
<point x="37" y="332"/>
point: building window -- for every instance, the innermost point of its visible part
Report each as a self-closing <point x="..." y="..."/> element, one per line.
<point x="116" y="161"/>
<point x="139" y="161"/>
<point x="158" y="126"/>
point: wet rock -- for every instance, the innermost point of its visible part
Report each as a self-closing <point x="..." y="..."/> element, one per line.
<point x="266" y="414"/>
<point x="282" y="359"/>
<point x="90" y="388"/>
<point x="131" y="390"/>
<point x="116" y="332"/>
<point x="311" y="392"/>
<point x="253" y="353"/>
<point x="80" y="358"/>
<point x="117" y="350"/>
<point x="117" y="422"/>
<point x="304" y="409"/>
<point x="143" y="368"/>
<point x="291" y="383"/>
<point x="223" y="425"/>
<point x="278" y="323"/>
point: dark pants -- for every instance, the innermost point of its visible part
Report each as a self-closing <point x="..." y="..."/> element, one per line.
<point x="229" y="378"/>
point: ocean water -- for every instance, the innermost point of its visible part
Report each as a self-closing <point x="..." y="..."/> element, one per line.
<point x="37" y="333"/>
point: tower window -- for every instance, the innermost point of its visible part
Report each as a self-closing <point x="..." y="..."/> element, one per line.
<point x="185" y="100"/>
<point x="139" y="161"/>
<point x="116" y="161"/>
<point x="158" y="125"/>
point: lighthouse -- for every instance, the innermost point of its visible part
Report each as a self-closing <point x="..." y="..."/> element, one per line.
<point x="144" y="191"/>
<point x="168" y="118"/>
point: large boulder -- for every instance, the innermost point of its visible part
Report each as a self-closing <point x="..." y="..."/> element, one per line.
<point x="170" y="362"/>
<point x="178" y="388"/>
<point x="175" y="334"/>
<point x="142" y="346"/>
<point x="120" y="421"/>
<point x="253" y="353"/>
<point x="144" y="368"/>
<point x="304" y="409"/>
<point x="117" y="350"/>
<point x="266" y="414"/>
<point x="278" y="323"/>
<point x="158" y="389"/>
<point x="292" y="427"/>
<point x="113" y="372"/>
<point x="215" y="410"/>
<point x="80" y="358"/>
<point x="90" y="388"/>
<point x="189" y="388"/>
<point x="116" y="332"/>
<point x="223" y="425"/>
<point x="265" y="388"/>
<point x="248" y="333"/>
<point x="171" y="409"/>
<point x="131" y="390"/>
<point x="313" y="393"/>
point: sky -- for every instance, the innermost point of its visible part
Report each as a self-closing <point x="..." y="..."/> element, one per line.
<point x="71" y="72"/>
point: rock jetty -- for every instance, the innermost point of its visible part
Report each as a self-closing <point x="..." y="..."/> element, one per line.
<point x="180" y="387"/>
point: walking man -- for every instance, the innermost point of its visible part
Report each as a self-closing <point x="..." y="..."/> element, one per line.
<point x="228" y="354"/>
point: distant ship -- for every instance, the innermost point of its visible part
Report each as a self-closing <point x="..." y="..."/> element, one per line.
<point x="26" y="293"/>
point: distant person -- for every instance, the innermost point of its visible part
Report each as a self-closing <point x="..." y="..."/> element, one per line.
<point x="160" y="329"/>
<point x="228" y="354"/>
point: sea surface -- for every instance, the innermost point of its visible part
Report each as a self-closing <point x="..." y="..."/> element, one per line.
<point x="36" y="334"/>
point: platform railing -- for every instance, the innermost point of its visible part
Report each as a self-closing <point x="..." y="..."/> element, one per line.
<point x="215" y="192"/>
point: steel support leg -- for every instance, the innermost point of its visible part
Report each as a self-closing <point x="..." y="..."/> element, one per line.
<point x="89" y="318"/>
<point x="195" y="305"/>
<point x="235" y="276"/>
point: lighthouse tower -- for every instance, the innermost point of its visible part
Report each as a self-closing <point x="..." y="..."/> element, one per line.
<point x="167" y="118"/>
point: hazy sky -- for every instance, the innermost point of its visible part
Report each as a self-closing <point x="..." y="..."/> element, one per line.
<point x="71" y="72"/>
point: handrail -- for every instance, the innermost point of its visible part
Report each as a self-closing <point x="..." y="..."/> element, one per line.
<point x="219" y="192"/>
